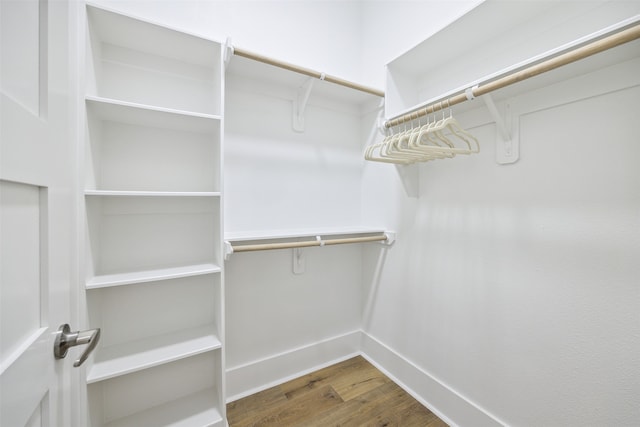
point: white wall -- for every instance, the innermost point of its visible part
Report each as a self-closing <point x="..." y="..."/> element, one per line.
<point x="390" y="28"/>
<point x="280" y="179"/>
<point x="515" y="287"/>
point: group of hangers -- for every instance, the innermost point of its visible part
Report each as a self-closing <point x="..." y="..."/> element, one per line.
<point x="436" y="139"/>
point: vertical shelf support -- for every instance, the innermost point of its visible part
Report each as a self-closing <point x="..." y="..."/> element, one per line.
<point x="508" y="132"/>
<point x="300" y="104"/>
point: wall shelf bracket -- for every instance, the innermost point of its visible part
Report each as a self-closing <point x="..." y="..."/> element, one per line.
<point x="508" y="132"/>
<point x="300" y="104"/>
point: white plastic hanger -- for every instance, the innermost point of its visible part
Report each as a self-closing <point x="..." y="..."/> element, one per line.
<point x="437" y="139"/>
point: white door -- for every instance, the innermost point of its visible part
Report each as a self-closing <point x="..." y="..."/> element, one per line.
<point x="37" y="199"/>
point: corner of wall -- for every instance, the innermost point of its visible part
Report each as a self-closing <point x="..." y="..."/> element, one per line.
<point x="446" y="403"/>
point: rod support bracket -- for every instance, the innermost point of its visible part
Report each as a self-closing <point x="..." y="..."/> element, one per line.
<point x="299" y="261"/>
<point x="508" y="132"/>
<point x="228" y="52"/>
<point x="300" y="104"/>
<point x="228" y="250"/>
<point x="391" y="238"/>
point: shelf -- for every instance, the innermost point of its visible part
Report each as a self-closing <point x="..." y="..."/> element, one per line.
<point x="113" y="193"/>
<point x="109" y="280"/>
<point x="525" y="34"/>
<point x="126" y="358"/>
<point x="195" y="410"/>
<point x="150" y="115"/>
<point x="134" y="60"/>
<point x="132" y="147"/>
<point x="245" y="236"/>
<point x="145" y="36"/>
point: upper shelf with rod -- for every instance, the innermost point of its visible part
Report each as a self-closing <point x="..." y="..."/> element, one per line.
<point x="307" y="82"/>
<point x="616" y="42"/>
<point x="289" y="239"/>
<point x="507" y="37"/>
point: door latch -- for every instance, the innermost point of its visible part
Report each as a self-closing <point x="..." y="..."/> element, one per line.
<point x="65" y="339"/>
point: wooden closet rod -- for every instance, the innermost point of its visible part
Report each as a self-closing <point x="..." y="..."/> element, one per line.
<point x="289" y="245"/>
<point x="306" y="71"/>
<point x="577" y="54"/>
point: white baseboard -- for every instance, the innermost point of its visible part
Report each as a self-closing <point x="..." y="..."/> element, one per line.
<point x="443" y="401"/>
<point x="261" y="374"/>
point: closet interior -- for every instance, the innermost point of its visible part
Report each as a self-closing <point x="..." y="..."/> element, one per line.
<point x="216" y="270"/>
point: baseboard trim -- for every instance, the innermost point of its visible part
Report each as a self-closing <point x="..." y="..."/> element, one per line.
<point x="446" y="403"/>
<point x="442" y="400"/>
<point x="262" y="374"/>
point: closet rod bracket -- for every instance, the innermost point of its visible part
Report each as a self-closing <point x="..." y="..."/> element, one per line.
<point x="300" y="104"/>
<point x="228" y="250"/>
<point x="228" y="52"/>
<point x="507" y="138"/>
<point x="390" y="238"/>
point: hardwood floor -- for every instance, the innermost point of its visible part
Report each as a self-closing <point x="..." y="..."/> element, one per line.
<point x="351" y="393"/>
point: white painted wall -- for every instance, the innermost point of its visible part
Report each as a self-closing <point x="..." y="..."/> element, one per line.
<point x="390" y="28"/>
<point x="280" y="179"/>
<point x="515" y="287"/>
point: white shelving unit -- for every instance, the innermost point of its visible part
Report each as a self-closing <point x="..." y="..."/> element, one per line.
<point x="153" y="264"/>
<point x="108" y="280"/>
<point x="125" y="358"/>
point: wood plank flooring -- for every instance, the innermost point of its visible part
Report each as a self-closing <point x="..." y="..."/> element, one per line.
<point x="352" y="393"/>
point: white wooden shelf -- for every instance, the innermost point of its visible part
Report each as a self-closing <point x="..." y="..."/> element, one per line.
<point x="139" y="61"/>
<point x="496" y="50"/>
<point x="151" y="115"/>
<point x="194" y="410"/>
<point x="134" y="147"/>
<point x="117" y="193"/>
<point x="126" y="358"/>
<point x="245" y="236"/>
<point x="143" y="35"/>
<point x="109" y="280"/>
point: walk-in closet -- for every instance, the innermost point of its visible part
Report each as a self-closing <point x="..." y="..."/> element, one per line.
<point x="318" y="213"/>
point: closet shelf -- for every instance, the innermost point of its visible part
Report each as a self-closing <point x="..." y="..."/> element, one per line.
<point x="120" y="279"/>
<point x="194" y="410"/>
<point x="126" y="358"/>
<point x="141" y="35"/>
<point x="117" y="193"/>
<point x="302" y="239"/>
<point x="152" y="116"/>
<point x="495" y="51"/>
<point x="246" y="236"/>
